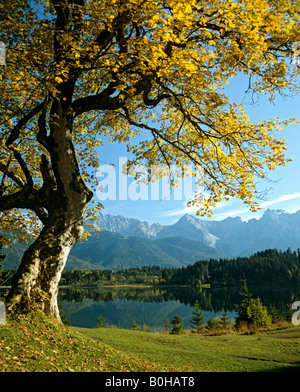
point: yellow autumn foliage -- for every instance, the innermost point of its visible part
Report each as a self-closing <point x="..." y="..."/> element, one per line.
<point x="151" y="68"/>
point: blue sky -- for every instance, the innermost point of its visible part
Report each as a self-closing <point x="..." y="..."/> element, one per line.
<point x="284" y="188"/>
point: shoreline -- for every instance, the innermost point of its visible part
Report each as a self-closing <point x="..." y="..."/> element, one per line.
<point x="208" y="285"/>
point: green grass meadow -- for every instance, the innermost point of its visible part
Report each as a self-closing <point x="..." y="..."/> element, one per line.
<point x="265" y="351"/>
<point x="35" y="344"/>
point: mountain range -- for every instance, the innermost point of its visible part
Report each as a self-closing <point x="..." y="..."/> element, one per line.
<point x="114" y="251"/>
<point x="129" y="242"/>
<point x="232" y="236"/>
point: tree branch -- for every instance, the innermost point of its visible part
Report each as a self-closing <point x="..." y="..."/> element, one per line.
<point x="12" y="175"/>
<point x="101" y="101"/>
<point x="105" y="101"/>
<point x="24" y="199"/>
<point x="15" y="132"/>
<point x="157" y="134"/>
<point x="23" y="165"/>
<point x="150" y="101"/>
<point x="42" y="133"/>
<point x="47" y="173"/>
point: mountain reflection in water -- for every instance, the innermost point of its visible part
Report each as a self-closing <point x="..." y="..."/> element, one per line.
<point x="120" y="306"/>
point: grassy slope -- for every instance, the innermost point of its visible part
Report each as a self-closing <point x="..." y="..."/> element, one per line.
<point x="40" y="345"/>
<point x="265" y="351"/>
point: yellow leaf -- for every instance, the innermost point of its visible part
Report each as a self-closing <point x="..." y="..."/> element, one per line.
<point x="58" y="79"/>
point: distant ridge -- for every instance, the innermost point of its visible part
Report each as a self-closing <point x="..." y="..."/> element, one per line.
<point x="114" y="251"/>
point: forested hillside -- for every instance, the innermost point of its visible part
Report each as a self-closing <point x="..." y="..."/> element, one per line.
<point x="269" y="266"/>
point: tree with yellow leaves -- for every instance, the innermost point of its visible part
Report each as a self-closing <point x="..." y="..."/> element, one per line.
<point x="79" y="70"/>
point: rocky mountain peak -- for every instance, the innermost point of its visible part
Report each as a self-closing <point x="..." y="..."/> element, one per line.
<point x="234" y="237"/>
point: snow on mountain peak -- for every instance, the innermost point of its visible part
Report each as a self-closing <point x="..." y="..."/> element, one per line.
<point x="275" y="229"/>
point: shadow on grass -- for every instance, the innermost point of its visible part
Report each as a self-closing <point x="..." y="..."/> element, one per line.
<point x="293" y="367"/>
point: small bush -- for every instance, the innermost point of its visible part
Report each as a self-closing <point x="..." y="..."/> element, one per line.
<point x="223" y="321"/>
<point x="166" y="324"/>
<point x="251" y="311"/>
<point x="136" y="326"/>
<point x="100" y="322"/>
<point x="197" y="322"/>
<point x="211" y="324"/>
<point x="177" y="325"/>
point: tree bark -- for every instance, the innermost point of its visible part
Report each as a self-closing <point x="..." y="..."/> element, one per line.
<point x="35" y="284"/>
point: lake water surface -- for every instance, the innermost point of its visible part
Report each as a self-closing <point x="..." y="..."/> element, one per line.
<point x="149" y="306"/>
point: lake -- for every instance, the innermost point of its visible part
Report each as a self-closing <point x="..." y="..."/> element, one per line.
<point x="121" y="306"/>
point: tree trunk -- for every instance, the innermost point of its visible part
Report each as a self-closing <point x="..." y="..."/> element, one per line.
<point x="35" y="284"/>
